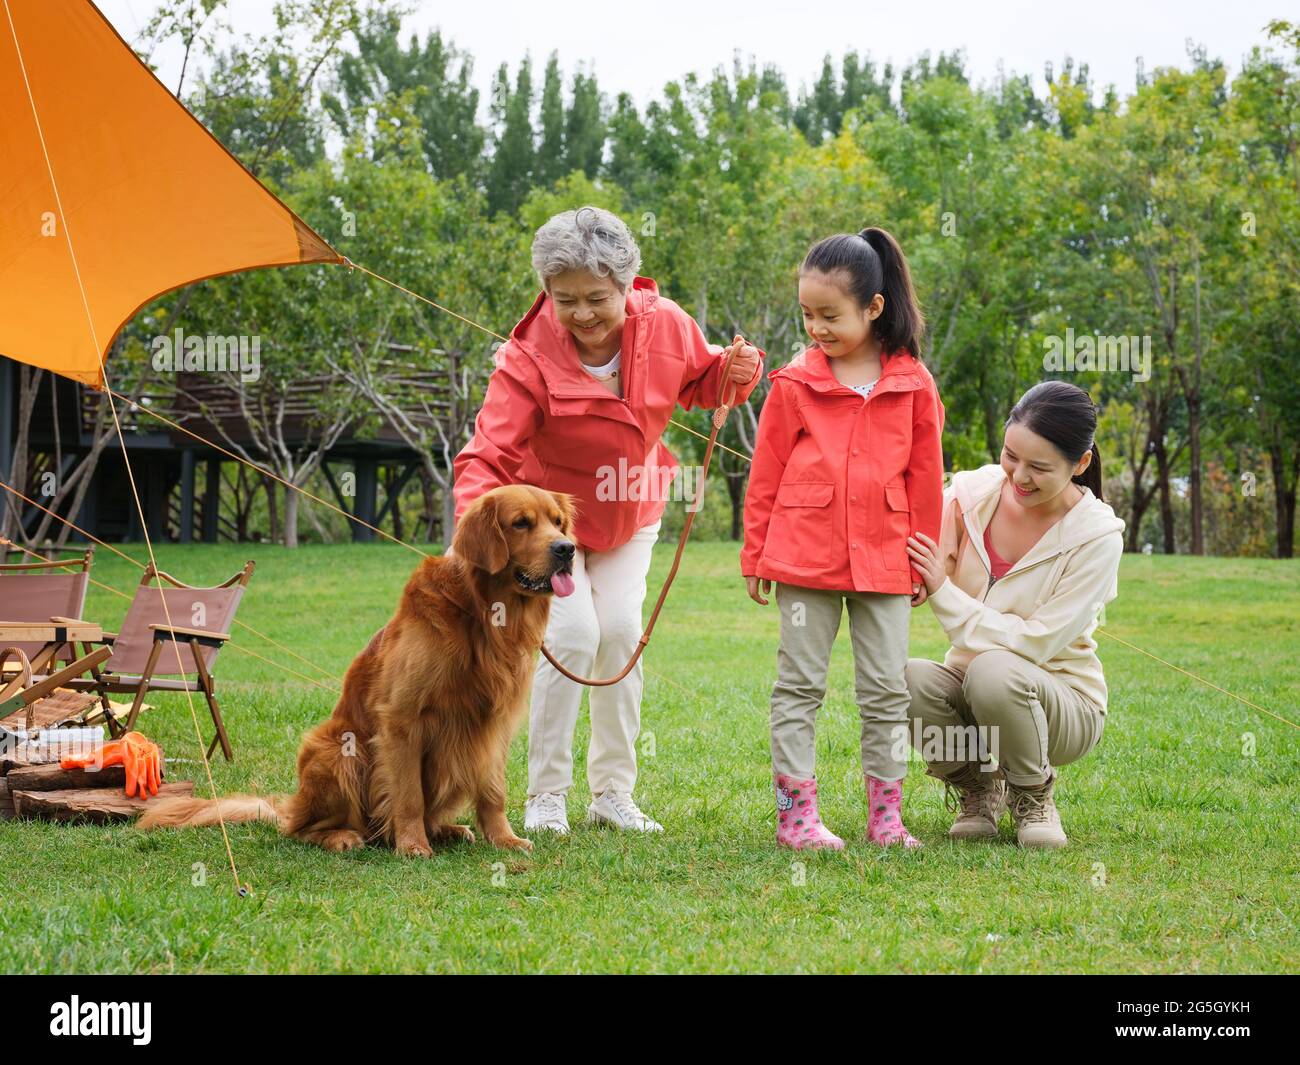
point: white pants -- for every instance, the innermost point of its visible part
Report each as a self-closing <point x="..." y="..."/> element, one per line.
<point x="593" y="632"/>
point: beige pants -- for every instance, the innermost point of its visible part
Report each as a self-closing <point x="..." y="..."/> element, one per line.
<point x="593" y="632"/>
<point x="1026" y="719"/>
<point x="810" y="621"/>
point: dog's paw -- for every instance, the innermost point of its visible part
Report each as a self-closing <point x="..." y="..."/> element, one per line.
<point x="344" y="839"/>
<point x="513" y="843"/>
<point x="452" y="832"/>
<point x="414" y="848"/>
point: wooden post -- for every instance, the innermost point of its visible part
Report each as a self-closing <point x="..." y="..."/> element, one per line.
<point x="88" y="517"/>
<point x="367" y="499"/>
<point x="155" y="496"/>
<point x="399" y="482"/>
<point x="187" y="495"/>
<point x="212" y="502"/>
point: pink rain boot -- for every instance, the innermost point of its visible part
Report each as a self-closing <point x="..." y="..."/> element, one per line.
<point x="798" y="824"/>
<point x="884" y="821"/>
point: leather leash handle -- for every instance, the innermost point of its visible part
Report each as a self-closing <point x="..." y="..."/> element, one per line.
<point x="719" y="419"/>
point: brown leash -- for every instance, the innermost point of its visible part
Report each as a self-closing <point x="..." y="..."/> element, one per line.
<point x="719" y="419"/>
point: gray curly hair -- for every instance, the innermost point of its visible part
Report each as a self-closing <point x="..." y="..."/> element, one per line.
<point x="586" y="239"/>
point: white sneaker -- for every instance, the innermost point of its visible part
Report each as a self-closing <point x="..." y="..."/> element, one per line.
<point x="617" y="809"/>
<point x="546" y="812"/>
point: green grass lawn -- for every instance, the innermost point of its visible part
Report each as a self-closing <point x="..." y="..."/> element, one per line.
<point x="1183" y="853"/>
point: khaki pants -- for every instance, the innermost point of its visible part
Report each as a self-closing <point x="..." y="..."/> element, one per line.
<point x="878" y="626"/>
<point x="1029" y="720"/>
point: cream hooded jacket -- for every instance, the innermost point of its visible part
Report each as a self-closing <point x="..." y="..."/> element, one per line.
<point x="1045" y="607"/>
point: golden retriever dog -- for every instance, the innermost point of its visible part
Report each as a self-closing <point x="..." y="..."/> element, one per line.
<point x="428" y="709"/>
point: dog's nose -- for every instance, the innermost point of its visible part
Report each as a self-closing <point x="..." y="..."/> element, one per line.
<point x="563" y="550"/>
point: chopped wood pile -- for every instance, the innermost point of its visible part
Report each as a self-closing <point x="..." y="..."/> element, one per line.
<point x="39" y="788"/>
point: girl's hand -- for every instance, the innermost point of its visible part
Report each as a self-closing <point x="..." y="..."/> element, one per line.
<point x="751" y="586"/>
<point x="746" y="362"/>
<point x="924" y="553"/>
<point x="919" y="594"/>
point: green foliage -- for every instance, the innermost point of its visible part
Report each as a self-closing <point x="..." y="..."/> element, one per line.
<point x="1172" y="213"/>
<point x="434" y="73"/>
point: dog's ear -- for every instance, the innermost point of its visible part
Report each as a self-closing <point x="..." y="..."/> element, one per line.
<point x="479" y="539"/>
<point x="568" y="511"/>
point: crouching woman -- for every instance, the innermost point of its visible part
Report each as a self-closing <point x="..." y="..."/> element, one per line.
<point x="1028" y="555"/>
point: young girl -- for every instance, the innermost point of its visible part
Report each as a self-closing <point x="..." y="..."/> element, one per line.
<point x="847" y="465"/>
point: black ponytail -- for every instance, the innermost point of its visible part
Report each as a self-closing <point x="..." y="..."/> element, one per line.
<point x="1065" y="415"/>
<point x="875" y="264"/>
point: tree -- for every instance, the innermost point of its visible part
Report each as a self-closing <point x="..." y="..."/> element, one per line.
<point x="1264" y="182"/>
<point x="584" y="134"/>
<point x="551" y="163"/>
<point x="511" y="172"/>
<point x="434" y="75"/>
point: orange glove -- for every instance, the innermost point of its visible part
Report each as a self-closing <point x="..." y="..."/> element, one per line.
<point x="143" y="766"/>
<point x="141" y="758"/>
<point x="110" y="753"/>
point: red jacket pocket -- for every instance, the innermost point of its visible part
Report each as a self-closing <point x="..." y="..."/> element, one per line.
<point x="800" y="532"/>
<point x="898" y="527"/>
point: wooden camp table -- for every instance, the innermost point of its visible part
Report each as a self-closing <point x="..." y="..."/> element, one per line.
<point x="19" y="691"/>
<point x="54" y="634"/>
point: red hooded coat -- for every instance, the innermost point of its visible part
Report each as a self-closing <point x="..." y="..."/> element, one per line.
<point x="838" y="482"/>
<point x="546" y="421"/>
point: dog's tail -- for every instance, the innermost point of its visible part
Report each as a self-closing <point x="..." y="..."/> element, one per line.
<point x="186" y="812"/>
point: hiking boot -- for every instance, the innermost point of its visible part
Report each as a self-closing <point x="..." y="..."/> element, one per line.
<point x="1034" y="811"/>
<point x="977" y="798"/>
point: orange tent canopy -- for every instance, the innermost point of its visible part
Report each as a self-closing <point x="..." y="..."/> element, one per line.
<point x="111" y="193"/>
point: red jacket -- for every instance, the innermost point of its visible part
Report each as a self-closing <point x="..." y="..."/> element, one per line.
<point x="838" y="483"/>
<point x="546" y="421"/>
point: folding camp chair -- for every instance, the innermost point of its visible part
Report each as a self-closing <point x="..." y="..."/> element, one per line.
<point x="34" y="591"/>
<point x="146" y="650"/>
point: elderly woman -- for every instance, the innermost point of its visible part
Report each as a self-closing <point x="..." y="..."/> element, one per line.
<point x="580" y="396"/>
<point x="1028" y="555"/>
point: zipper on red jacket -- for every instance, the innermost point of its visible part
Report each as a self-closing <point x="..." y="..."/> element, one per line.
<point x="629" y="324"/>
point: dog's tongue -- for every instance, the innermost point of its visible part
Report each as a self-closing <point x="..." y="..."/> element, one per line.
<point x="562" y="584"/>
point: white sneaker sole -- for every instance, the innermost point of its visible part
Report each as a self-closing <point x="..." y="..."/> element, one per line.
<point x="559" y="830"/>
<point x="607" y="822"/>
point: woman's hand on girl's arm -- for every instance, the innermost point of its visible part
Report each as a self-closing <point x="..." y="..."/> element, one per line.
<point x="924" y="553"/>
<point x="752" y="586"/>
